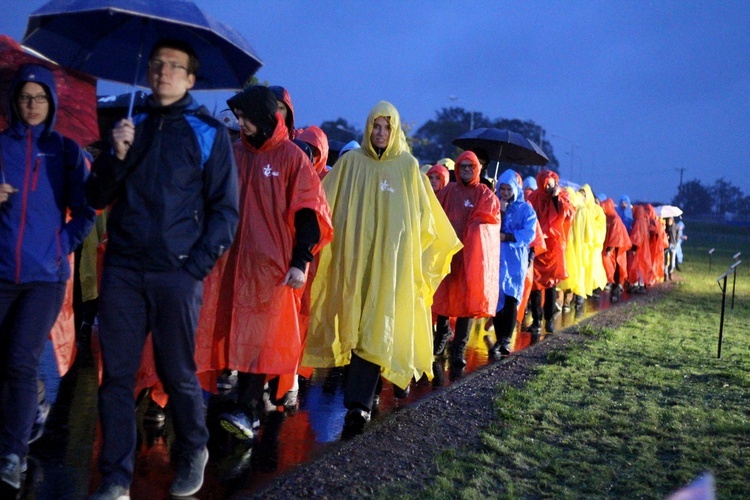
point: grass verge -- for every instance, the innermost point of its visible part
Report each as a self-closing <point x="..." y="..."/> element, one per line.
<point x="636" y="412"/>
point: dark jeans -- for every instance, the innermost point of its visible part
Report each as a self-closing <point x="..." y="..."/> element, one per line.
<point x="131" y="304"/>
<point x="250" y="392"/>
<point x="505" y="320"/>
<point x="27" y="313"/>
<point x="535" y="304"/>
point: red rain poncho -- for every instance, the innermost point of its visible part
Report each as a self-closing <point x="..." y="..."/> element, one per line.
<point x="443" y="172"/>
<point x="471" y="288"/>
<point x="616" y="244"/>
<point x="249" y="321"/>
<point x="658" y="241"/>
<point x="316" y="138"/>
<point x="549" y="268"/>
<point x="639" y="261"/>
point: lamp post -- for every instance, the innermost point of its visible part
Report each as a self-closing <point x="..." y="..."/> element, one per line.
<point x="471" y="113"/>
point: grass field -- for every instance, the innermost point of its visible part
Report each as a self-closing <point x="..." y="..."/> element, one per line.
<point x="637" y="412"/>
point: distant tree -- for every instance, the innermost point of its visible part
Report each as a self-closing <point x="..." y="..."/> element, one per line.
<point x="694" y="198"/>
<point x="341" y="130"/>
<point x="726" y="196"/>
<point x="432" y="141"/>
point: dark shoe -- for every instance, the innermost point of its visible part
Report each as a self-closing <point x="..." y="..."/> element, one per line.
<point x="499" y="350"/>
<point x="400" y="393"/>
<point x="458" y="360"/>
<point x="227" y="381"/>
<point x="356" y="419"/>
<point x="375" y="403"/>
<point x="111" y="491"/>
<point x="11" y="467"/>
<point x="240" y="425"/>
<point x="535" y="327"/>
<point x="154" y="414"/>
<point x="189" y="477"/>
<point x="42" y="412"/>
<point x="549" y="326"/>
<point x="442" y="342"/>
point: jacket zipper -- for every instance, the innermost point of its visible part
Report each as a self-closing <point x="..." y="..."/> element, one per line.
<point x="24" y="204"/>
<point x="35" y="177"/>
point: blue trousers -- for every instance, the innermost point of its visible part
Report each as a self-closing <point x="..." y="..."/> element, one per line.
<point x="27" y="313"/>
<point x="131" y="304"/>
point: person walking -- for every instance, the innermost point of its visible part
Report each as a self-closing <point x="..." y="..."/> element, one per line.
<point x="517" y="231"/>
<point x="171" y="176"/>
<point x="253" y="323"/>
<point x="42" y="177"/>
<point x="471" y="288"/>
<point x="392" y="247"/>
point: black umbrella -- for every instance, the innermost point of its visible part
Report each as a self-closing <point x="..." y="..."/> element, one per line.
<point x="502" y="146"/>
<point x="107" y="39"/>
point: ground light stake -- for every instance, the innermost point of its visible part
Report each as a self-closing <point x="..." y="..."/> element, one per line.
<point x="734" y="278"/>
<point x="732" y="269"/>
<point x="710" y="254"/>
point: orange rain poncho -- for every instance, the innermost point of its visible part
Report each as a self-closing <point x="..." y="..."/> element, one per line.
<point x="549" y="268"/>
<point x="639" y="261"/>
<point x="442" y="171"/>
<point x="658" y="241"/>
<point x="616" y="244"/>
<point x="250" y="321"/>
<point x="471" y="289"/>
<point x="316" y="138"/>
<point x="376" y="280"/>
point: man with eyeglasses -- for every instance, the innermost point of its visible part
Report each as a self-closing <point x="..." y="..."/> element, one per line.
<point x="172" y="180"/>
<point x="42" y="177"/>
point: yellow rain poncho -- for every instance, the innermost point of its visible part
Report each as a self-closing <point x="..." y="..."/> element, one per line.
<point x="575" y="282"/>
<point x="595" y="275"/>
<point x="392" y="246"/>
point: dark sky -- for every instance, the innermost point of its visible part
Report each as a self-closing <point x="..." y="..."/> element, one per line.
<point x="635" y="90"/>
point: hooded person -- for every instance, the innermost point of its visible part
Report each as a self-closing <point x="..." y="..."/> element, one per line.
<point x="625" y="211"/>
<point x="595" y="277"/>
<point x="614" y="253"/>
<point x="42" y="178"/>
<point x="251" y="317"/>
<point x="471" y="288"/>
<point x="439" y="177"/>
<point x="554" y="211"/>
<point x="318" y="141"/>
<point x="285" y="107"/>
<point x="529" y="186"/>
<point x="640" y="266"/>
<point x="517" y="231"/>
<point x="375" y="283"/>
<point x="575" y="283"/>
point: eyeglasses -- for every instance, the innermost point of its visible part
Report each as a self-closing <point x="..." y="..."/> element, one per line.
<point x="466" y="166"/>
<point x="171" y="67"/>
<point x="39" y="99"/>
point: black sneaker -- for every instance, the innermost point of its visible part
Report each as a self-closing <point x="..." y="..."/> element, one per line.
<point x="189" y="477"/>
<point x="240" y="425"/>
<point x="549" y="326"/>
<point x="154" y="414"/>
<point x="355" y="419"/>
<point x="227" y="381"/>
<point x="499" y="350"/>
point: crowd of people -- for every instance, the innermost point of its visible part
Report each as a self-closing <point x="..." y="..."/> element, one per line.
<point x="236" y="257"/>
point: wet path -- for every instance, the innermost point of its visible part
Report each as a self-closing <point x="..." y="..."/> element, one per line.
<point x="62" y="464"/>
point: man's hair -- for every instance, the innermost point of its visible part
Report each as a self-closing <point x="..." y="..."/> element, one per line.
<point x="171" y="43"/>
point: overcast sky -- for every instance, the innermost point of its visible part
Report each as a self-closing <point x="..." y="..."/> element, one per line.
<point x="635" y="90"/>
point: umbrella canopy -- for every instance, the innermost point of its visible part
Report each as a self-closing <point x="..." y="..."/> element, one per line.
<point x="111" y="39"/>
<point x="502" y="146"/>
<point x="664" y="211"/>
<point x="76" y="92"/>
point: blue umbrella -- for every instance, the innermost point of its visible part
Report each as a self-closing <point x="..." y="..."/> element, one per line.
<point x="107" y="39"/>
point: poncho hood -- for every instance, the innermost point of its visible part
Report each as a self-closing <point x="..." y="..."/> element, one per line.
<point x="510" y="177"/>
<point x="397" y="144"/>
<point x="442" y="171"/>
<point x="541" y="180"/>
<point x="469" y="156"/>
<point x="315" y="137"/>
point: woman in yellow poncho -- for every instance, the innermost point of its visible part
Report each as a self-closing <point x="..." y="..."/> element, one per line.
<point x="392" y="246"/>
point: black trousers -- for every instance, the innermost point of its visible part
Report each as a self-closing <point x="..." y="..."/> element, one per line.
<point x="505" y="320"/>
<point x="535" y="304"/>
<point x="362" y="379"/>
<point x="461" y="335"/>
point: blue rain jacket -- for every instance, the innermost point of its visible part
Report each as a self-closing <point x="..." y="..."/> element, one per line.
<point x="519" y="219"/>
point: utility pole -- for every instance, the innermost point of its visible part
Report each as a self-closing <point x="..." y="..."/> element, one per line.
<point x="681" y="171"/>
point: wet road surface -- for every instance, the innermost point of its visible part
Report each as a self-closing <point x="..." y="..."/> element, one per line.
<point x="62" y="463"/>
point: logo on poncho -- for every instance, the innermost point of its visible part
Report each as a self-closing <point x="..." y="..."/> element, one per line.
<point x="268" y="172"/>
<point x="468" y="204"/>
<point x="385" y="187"/>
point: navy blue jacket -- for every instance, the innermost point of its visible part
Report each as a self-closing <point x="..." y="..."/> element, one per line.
<point x="174" y="196"/>
<point x="49" y="172"/>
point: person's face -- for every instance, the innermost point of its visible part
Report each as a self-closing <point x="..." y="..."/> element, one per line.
<point x="506" y="192"/>
<point x="282" y="109"/>
<point x="527" y="192"/>
<point x="465" y="171"/>
<point x="550" y="186"/>
<point x="583" y="194"/>
<point x="30" y="110"/>
<point x="435" y="181"/>
<point x="624" y="204"/>
<point x="168" y="75"/>
<point x="246" y="126"/>
<point x="381" y="132"/>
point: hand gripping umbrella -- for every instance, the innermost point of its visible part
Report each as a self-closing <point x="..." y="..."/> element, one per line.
<point x="502" y="146"/>
<point x="108" y="38"/>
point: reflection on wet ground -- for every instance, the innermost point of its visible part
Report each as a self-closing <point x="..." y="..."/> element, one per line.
<point x="62" y="464"/>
